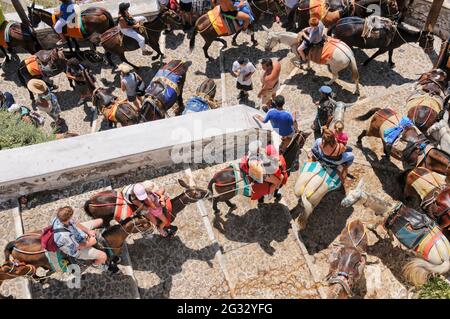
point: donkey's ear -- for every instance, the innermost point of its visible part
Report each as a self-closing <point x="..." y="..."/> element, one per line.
<point x="360" y="184"/>
<point x="265" y="28"/>
<point x="33" y="4"/>
<point x="183" y="183"/>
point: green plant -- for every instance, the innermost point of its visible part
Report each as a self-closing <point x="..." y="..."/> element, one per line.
<point x="435" y="288"/>
<point x="16" y="133"/>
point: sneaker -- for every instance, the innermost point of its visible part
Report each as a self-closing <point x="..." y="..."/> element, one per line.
<point x="61" y="43"/>
<point x="102" y="267"/>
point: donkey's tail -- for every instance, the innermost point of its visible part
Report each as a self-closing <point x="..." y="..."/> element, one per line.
<point x="368" y="115"/>
<point x="8" y="249"/>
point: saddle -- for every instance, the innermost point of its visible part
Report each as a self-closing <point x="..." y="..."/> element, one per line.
<point x="408" y="225"/>
<point x="74" y="27"/>
<point x="321" y="52"/>
<point x="125" y="41"/>
<point x="376" y="27"/>
<point x="222" y="25"/>
<point x="6" y="28"/>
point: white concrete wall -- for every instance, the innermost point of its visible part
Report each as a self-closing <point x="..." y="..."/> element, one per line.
<point x="89" y="157"/>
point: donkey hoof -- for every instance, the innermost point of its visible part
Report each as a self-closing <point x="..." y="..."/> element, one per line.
<point x="234" y="43"/>
<point x="217" y="211"/>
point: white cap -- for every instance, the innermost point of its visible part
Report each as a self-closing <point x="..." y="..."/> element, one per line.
<point x="140" y="192"/>
<point x="14" y="107"/>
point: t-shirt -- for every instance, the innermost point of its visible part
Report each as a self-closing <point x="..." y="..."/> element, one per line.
<point x="9" y="100"/>
<point x="281" y="120"/>
<point x="291" y="3"/>
<point x="244" y="70"/>
<point x="130" y="82"/>
<point x="68" y="241"/>
<point x="316" y="33"/>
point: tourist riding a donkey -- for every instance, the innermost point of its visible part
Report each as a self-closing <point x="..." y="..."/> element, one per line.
<point x="131" y="35"/>
<point x="85" y="25"/>
<point x="165" y="89"/>
<point x="379" y="33"/>
<point x="404" y="141"/>
<point x="116" y="205"/>
<point x="257" y="174"/>
<point x="221" y="21"/>
<point x="325" y="171"/>
<point x="32" y="251"/>
<point x="331" y="51"/>
<point x="330" y="11"/>
<point x="414" y="230"/>
<point x="15" y="35"/>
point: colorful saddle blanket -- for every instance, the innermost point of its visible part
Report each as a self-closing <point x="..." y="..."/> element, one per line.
<point x="321" y="54"/>
<point x="243" y="186"/>
<point x="122" y="210"/>
<point x="57" y="261"/>
<point x="225" y="25"/>
<point x="414" y="230"/>
<point x="170" y="83"/>
<point x="196" y="104"/>
<point x="32" y="65"/>
<point x="74" y="27"/>
<point x="330" y="176"/>
<point x="4" y="33"/>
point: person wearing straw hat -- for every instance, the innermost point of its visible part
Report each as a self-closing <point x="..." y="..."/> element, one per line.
<point x="132" y="84"/>
<point x="46" y="100"/>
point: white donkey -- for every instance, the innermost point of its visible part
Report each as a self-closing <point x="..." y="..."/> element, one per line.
<point x="342" y="55"/>
<point x="440" y="132"/>
<point x="436" y="260"/>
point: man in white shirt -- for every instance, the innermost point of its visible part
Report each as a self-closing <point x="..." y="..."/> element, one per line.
<point x="243" y="70"/>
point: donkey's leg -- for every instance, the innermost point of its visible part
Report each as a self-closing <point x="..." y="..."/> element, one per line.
<point x="215" y="208"/>
<point x="5" y="53"/>
<point x="222" y="41"/>
<point x="108" y="56"/>
<point x="390" y="53"/>
<point x="379" y="52"/>
<point x="205" y="49"/>
<point x="233" y="41"/>
<point x="155" y="46"/>
<point x="124" y="59"/>
<point x="335" y="72"/>
<point x="231" y="205"/>
<point x="360" y="137"/>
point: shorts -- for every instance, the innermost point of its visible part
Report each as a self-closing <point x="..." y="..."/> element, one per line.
<point x="230" y="13"/>
<point x="186" y="7"/>
<point x="156" y="212"/>
<point x="244" y="87"/>
<point x="267" y="95"/>
<point x="90" y="253"/>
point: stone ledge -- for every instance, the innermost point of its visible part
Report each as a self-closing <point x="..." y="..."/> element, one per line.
<point x="88" y="157"/>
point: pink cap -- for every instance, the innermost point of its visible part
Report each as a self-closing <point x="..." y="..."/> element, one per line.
<point x="139" y="191"/>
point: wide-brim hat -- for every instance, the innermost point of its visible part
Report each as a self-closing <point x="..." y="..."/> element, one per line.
<point x="125" y="68"/>
<point x="37" y="86"/>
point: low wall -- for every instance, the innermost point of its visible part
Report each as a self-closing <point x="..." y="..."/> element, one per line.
<point x="200" y="137"/>
<point x="418" y="13"/>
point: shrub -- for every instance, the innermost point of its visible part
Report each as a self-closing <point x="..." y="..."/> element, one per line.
<point x="16" y="133"/>
<point x="435" y="288"/>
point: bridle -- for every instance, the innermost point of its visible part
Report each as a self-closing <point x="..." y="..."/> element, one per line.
<point x="192" y="199"/>
<point x="31" y="269"/>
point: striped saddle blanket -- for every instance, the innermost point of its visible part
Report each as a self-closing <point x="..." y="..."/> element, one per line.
<point x="4" y="33"/>
<point x="243" y="186"/>
<point x="226" y="25"/>
<point x="57" y="261"/>
<point x="124" y="210"/>
<point x="169" y="87"/>
<point x="330" y="176"/>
